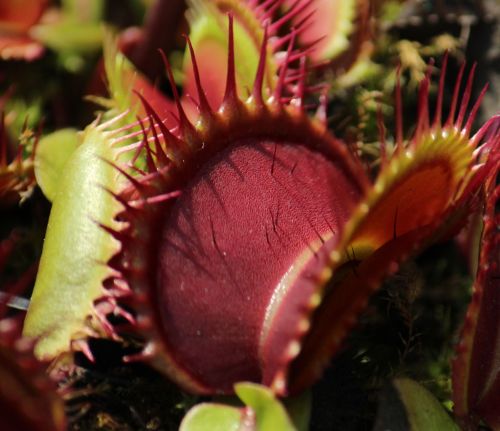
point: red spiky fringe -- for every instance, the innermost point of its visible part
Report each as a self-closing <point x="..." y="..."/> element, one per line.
<point x="261" y="20"/>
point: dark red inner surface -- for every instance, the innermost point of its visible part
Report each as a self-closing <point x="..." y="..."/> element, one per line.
<point x="234" y="232"/>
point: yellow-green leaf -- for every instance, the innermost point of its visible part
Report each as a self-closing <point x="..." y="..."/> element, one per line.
<point x="52" y="153"/>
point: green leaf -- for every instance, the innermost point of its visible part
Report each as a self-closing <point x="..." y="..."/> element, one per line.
<point x="120" y="76"/>
<point x="72" y="265"/>
<point x="208" y="32"/>
<point x="408" y="406"/>
<point x="264" y="412"/>
<point x="70" y="36"/>
<point x="90" y="11"/>
<point x="213" y="417"/>
<point x="299" y="409"/>
<point x="270" y="415"/>
<point x="23" y="113"/>
<point x="211" y="26"/>
<point x="51" y="156"/>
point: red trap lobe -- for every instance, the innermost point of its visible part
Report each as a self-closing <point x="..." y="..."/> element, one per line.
<point x="237" y="229"/>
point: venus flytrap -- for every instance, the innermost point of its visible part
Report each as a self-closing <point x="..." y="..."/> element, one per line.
<point x="327" y="235"/>
<point x="241" y="240"/>
<point x="76" y="247"/>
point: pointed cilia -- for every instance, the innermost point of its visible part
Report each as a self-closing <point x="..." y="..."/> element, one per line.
<point x="17" y="177"/>
<point x="254" y="239"/>
<point x="28" y="398"/>
<point x="475" y="378"/>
